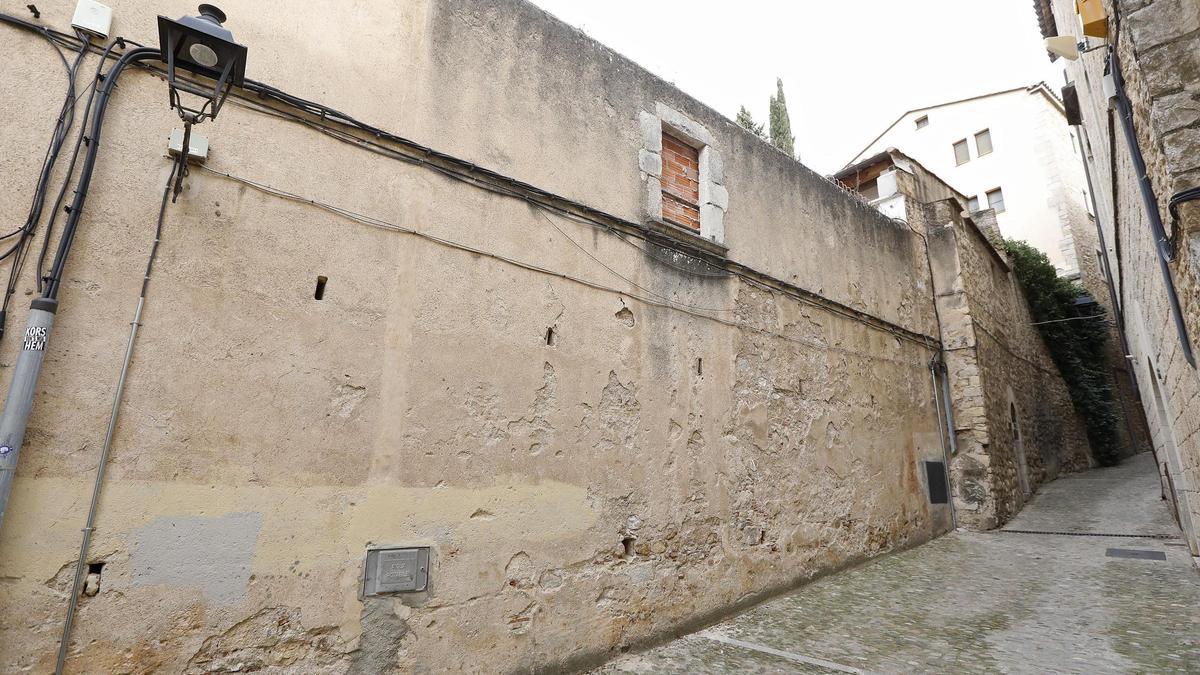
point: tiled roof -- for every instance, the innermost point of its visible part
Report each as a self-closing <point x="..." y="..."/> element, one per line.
<point x="1045" y="15"/>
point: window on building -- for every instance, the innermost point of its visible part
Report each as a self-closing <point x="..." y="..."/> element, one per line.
<point x="995" y="200"/>
<point x="922" y="121"/>
<point x="680" y="183"/>
<point x="983" y="142"/>
<point x="962" y="153"/>
<point x="973" y="205"/>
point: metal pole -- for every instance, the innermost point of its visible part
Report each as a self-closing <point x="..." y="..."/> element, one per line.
<point x="100" y="470"/>
<point x="21" y="393"/>
<point x="41" y="314"/>
<point x="102" y="466"/>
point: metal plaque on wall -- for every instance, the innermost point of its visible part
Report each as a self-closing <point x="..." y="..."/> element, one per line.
<point x="396" y="570"/>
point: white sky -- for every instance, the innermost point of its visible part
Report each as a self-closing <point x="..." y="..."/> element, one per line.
<point x="849" y="67"/>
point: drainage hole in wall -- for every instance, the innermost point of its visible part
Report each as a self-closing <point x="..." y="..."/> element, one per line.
<point x="550" y="336"/>
<point x="699" y="366"/>
<point x="627" y="546"/>
<point x="319" y="294"/>
<point x="91" y="583"/>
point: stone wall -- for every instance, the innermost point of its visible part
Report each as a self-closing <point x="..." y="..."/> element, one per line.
<point x="607" y="432"/>
<point x="1016" y="427"/>
<point x="1158" y="42"/>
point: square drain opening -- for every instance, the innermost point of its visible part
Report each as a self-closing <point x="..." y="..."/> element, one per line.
<point x="1135" y="554"/>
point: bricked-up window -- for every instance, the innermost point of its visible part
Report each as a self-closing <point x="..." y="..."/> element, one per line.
<point x="983" y="142"/>
<point x="680" y="183"/>
<point x="962" y="152"/>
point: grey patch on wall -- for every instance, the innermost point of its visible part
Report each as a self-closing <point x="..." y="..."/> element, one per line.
<point x="384" y="631"/>
<point x="212" y="554"/>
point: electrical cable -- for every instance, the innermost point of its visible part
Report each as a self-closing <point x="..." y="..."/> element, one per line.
<point x="383" y="224"/>
<point x="737" y="269"/>
<point x="624" y="278"/>
<point x="54" y="279"/>
<point x="1189" y="195"/>
<point x="1073" y="318"/>
<point x="462" y="171"/>
<point x="79" y="139"/>
<point x="62" y="128"/>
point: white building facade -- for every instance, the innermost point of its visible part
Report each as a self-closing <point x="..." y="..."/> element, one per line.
<point x="1011" y="151"/>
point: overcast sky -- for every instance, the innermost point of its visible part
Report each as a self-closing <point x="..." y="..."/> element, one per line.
<point x="849" y="67"/>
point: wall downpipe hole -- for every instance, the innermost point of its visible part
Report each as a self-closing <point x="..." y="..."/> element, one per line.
<point x="627" y="548"/>
<point x="91" y="583"/>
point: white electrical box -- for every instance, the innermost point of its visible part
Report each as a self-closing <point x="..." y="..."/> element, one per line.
<point x="197" y="146"/>
<point x="1110" y="86"/>
<point x="93" y="17"/>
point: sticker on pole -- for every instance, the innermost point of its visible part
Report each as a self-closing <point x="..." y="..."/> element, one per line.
<point x="35" y="339"/>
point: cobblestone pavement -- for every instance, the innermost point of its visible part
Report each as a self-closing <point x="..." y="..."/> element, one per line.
<point x="985" y="602"/>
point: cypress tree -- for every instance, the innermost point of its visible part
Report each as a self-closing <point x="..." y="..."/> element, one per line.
<point x="781" y="125"/>
<point x="746" y="121"/>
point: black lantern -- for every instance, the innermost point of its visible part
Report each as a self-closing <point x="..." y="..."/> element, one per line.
<point x="201" y="45"/>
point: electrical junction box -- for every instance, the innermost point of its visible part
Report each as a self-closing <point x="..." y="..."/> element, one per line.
<point x="1110" y="87"/>
<point x="93" y="17"/>
<point x="197" y="146"/>
<point x="396" y="570"/>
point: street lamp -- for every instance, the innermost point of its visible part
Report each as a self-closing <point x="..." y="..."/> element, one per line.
<point x="201" y="45"/>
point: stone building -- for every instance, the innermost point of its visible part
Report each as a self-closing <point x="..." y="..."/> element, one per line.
<point x="1137" y="84"/>
<point x="1014" y="423"/>
<point x="1009" y="151"/>
<point x="569" y="358"/>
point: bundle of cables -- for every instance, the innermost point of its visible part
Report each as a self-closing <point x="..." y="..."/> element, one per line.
<point x="19" y="250"/>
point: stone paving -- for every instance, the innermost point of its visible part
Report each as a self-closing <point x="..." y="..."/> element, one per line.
<point x="985" y="602"/>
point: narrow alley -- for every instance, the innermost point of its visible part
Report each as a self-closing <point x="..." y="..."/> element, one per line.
<point x="1091" y="577"/>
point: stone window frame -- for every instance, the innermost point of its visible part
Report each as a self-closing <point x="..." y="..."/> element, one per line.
<point x="714" y="197"/>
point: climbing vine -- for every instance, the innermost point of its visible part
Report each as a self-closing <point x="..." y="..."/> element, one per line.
<point x="1077" y="345"/>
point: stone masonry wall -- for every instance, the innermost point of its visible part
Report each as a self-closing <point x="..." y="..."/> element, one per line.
<point x="606" y="434"/>
<point x="997" y="363"/>
<point x="1158" y="42"/>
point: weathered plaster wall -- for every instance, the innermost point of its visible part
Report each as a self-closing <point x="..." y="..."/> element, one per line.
<point x="1159" y="43"/>
<point x="737" y="442"/>
<point x="996" y="362"/>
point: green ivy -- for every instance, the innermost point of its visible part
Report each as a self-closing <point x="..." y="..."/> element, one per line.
<point x="1077" y="347"/>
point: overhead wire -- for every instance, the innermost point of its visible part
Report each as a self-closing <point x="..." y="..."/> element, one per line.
<point x="62" y="128"/>
<point x="81" y="135"/>
<point x="648" y="300"/>
<point x="464" y="171"/>
<point x="54" y="279"/>
<point x="589" y="215"/>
